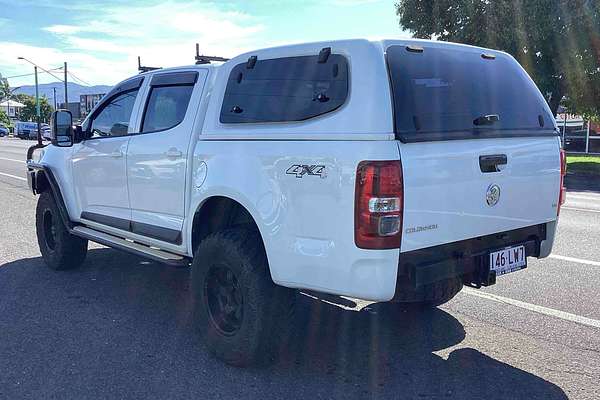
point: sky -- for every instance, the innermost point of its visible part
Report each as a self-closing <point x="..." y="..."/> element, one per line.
<point x="101" y="40"/>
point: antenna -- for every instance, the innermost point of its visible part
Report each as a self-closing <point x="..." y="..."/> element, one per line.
<point x="145" y="69"/>
<point x="207" y="59"/>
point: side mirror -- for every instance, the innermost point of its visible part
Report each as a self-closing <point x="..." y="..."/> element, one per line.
<point x="62" y="128"/>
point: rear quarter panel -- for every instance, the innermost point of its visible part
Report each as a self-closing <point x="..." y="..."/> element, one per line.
<point x="306" y="221"/>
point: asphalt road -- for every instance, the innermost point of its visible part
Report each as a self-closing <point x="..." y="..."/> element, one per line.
<point x="120" y="327"/>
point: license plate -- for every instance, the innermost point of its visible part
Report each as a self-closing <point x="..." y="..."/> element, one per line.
<point x="508" y="260"/>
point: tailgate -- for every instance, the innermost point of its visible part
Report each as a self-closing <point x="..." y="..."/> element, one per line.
<point x="449" y="196"/>
<point x="478" y="143"/>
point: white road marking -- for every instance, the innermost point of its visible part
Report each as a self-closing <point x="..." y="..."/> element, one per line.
<point x="594" y="323"/>
<point x="576" y="260"/>
<point x="579" y="209"/>
<point x="13" y="176"/>
<point x="580" y="197"/>
<point x="12" y="159"/>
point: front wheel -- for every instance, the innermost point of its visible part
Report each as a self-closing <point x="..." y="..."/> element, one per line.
<point x="240" y="311"/>
<point x="60" y="249"/>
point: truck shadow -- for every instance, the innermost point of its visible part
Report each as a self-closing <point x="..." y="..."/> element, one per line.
<point x="122" y="327"/>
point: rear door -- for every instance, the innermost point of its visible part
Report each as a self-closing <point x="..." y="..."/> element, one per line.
<point x="157" y="157"/>
<point x="478" y="144"/>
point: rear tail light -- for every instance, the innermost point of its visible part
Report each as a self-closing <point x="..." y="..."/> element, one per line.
<point x="562" y="194"/>
<point x="379" y="205"/>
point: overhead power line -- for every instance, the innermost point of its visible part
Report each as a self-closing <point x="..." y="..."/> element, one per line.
<point x="45" y="70"/>
<point x="72" y="75"/>
<point x="77" y="78"/>
<point x="31" y="74"/>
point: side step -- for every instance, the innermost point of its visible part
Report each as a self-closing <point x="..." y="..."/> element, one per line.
<point x="131" y="247"/>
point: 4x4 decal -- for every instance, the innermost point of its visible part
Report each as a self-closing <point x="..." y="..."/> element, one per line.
<point x="300" y="170"/>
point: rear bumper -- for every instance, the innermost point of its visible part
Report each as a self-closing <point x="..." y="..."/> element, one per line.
<point x="467" y="259"/>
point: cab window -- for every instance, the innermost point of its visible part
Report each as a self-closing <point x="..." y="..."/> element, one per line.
<point x="113" y="118"/>
<point x="168" y="100"/>
<point x="166" y="107"/>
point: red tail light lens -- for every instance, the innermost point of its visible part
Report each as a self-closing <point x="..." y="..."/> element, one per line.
<point x="562" y="194"/>
<point x="379" y="205"/>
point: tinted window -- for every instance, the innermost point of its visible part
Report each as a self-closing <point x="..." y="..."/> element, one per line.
<point x="441" y="93"/>
<point x="113" y="117"/>
<point x="285" y="89"/>
<point x="166" y="107"/>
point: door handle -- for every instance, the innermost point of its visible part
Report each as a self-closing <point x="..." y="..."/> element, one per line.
<point x="173" y="153"/>
<point x="116" y="154"/>
<point x="490" y="163"/>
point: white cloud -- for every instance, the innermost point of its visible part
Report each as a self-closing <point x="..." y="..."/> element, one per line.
<point x="353" y="2"/>
<point x="104" y="49"/>
<point x="164" y="23"/>
<point x="88" y="67"/>
<point x="63" y="29"/>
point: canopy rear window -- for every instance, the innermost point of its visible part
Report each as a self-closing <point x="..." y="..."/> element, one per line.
<point x="285" y="89"/>
<point x="444" y="94"/>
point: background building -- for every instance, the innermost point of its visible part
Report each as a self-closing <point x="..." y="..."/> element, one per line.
<point x="74" y="108"/>
<point x="11" y="108"/>
<point x="87" y="102"/>
<point x="577" y="134"/>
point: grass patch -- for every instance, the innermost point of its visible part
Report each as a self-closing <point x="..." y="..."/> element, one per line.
<point x="586" y="165"/>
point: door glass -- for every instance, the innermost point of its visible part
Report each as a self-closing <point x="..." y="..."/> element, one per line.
<point x="113" y="119"/>
<point x="166" y="107"/>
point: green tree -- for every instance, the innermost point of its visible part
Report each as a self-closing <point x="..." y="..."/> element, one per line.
<point x="4" y="119"/>
<point x="28" y="113"/>
<point x="4" y="88"/>
<point x="21" y="98"/>
<point x="556" y="41"/>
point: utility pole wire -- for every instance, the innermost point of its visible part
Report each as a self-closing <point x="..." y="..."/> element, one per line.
<point x="79" y="79"/>
<point x="20" y="76"/>
<point x="45" y="70"/>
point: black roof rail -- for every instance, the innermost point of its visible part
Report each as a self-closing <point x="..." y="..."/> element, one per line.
<point x="201" y="59"/>
<point x="145" y="69"/>
<point x="251" y="62"/>
<point x="324" y="55"/>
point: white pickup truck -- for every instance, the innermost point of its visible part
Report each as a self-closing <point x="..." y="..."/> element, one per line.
<point x="388" y="171"/>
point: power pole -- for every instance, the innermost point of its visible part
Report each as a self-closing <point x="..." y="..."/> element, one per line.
<point x="66" y="95"/>
<point x="37" y="106"/>
<point x="54" y="96"/>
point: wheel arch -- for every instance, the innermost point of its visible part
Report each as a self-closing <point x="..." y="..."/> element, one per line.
<point x="41" y="179"/>
<point x="40" y="182"/>
<point x="218" y="212"/>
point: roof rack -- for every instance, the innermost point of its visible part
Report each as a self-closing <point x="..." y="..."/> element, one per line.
<point x="145" y="69"/>
<point x="201" y="59"/>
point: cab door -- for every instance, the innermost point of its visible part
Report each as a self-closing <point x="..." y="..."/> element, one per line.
<point x="157" y="158"/>
<point x="99" y="161"/>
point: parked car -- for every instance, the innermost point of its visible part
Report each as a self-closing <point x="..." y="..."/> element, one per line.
<point x="392" y="171"/>
<point x="46" y="132"/>
<point x="26" y="130"/>
<point x="3" y="130"/>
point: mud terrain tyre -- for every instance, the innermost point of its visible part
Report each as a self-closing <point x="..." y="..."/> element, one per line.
<point x="60" y="250"/>
<point x="238" y="309"/>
